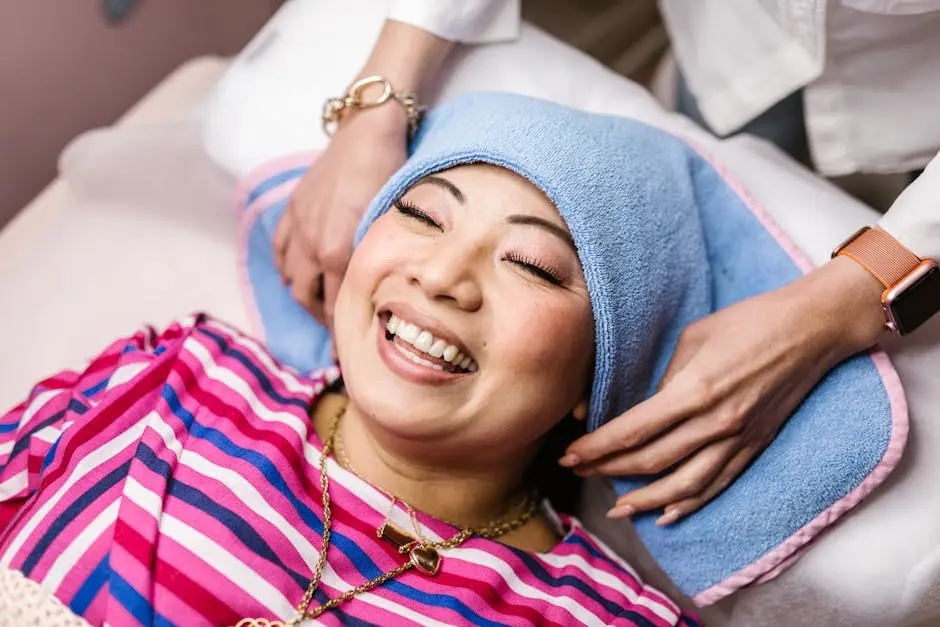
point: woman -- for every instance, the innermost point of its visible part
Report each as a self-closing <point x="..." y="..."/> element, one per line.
<point x="739" y="58"/>
<point x="188" y="478"/>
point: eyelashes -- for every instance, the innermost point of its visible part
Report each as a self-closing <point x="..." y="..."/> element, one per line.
<point x="415" y="213"/>
<point x="525" y="262"/>
<point x="534" y="267"/>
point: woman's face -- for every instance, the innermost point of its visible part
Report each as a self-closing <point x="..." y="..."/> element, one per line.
<point x="464" y="316"/>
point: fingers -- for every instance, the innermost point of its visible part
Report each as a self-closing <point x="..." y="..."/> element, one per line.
<point x="731" y="471"/>
<point x="334" y="355"/>
<point x="688" y="481"/>
<point x="685" y="349"/>
<point x="312" y="266"/>
<point x="632" y="428"/>
<point x="282" y="240"/>
<point x="331" y="284"/>
<point x="335" y="258"/>
<point x="663" y="452"/>
<point x="305" y="278"/>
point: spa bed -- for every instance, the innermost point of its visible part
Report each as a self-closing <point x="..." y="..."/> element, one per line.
<point x="140" y="226"/>
<point x="109" y="243"/>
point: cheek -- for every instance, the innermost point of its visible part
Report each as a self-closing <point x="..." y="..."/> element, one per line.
<point x="358" y="284"/>
<point x="378" y="254"/>
<point x="553" y="345"/>
<point x="379" y="243"/>
<point x="367" y="266"/>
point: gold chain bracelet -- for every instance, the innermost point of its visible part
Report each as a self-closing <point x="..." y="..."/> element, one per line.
<point x="335" y="108"/>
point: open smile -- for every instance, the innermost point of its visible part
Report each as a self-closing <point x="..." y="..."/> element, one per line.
<point x="418" y="350"/>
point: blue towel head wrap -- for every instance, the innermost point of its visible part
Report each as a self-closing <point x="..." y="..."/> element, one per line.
<point x="632" y="213"/>
<point x="664" y="240"/>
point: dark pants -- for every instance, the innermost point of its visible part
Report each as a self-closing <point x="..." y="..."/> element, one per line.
<point x="782" y="124"/>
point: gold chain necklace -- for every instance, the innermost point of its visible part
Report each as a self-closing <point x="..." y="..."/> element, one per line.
<point x="339" y="448"/>
<point x="343" y="459"/>
<point x="422" y="555"/>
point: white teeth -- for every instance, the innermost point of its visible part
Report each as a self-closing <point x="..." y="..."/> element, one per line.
<point x="424" y="341"/>
<point x="424" y="362"/>
<point x="437" y="349"/>
<point x="408" y="332"/>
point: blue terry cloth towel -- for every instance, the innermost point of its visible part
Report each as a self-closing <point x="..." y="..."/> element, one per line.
<point x="665" y="238"/>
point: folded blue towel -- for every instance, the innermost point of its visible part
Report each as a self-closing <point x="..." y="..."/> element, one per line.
<point x="664" y="239"/>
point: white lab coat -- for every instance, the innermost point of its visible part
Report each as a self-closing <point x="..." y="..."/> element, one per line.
<point x="870" y="70"/>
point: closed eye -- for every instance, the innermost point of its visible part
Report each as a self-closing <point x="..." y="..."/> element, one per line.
<point x="535" y="268"/>
<point x="415" y="213"/>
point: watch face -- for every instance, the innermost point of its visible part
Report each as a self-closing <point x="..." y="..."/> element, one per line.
<point x="915" y="305"/>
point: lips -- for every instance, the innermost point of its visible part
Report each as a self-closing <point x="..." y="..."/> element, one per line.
<point x="423" y="347"/>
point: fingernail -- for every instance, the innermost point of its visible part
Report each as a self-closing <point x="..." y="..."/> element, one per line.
<point x="621" y="511"/>
<point x="570" y="460"/>
<point x="669" y="516"/>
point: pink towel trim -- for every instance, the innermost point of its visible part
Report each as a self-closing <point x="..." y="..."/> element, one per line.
<point x="775" y="562"/>
<point x="787" y="553"/>
<point x="249" y="214"/>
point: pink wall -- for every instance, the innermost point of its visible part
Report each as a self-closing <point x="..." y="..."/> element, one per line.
<point x="64" y="70"/>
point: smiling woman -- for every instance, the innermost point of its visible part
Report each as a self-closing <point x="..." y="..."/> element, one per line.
<point x="465" y="334"/>
<point x="193" y="479"/>
<point x="662" y="238"/>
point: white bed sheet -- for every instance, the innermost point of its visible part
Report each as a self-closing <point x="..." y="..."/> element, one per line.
<point x="144" y="230"/>
<point x="139" y="227"/>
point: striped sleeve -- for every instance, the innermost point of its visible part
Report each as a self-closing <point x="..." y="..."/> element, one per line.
<point x="30" y="431"/>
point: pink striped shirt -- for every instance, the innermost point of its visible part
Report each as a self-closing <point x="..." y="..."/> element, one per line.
<point x="176" y="481"/>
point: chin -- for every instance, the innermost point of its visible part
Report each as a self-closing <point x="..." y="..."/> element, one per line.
<point x="408" y="414"/>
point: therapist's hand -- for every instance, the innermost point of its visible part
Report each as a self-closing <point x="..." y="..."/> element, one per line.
<point x="733" y="380"/>
<point x="314" y="239"/>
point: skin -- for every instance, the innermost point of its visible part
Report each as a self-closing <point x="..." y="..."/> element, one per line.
<point x="314" y="238"/>
<point x="729" y="388"/>
<point x="458" y="449"/>
<point x="726" y="392"/>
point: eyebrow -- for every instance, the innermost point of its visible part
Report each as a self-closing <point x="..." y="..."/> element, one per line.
<point x="551" y="227"/>
<point x="519" y="218"/>
<point x="444" y="184"/>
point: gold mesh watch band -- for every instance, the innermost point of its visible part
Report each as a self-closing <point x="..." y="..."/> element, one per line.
<point x="883" y="256"/>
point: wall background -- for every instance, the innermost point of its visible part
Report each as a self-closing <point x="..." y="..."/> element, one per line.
<point x="65" y="69"/>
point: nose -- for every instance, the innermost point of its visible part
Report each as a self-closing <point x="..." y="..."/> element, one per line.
<point x="450" y="271"/>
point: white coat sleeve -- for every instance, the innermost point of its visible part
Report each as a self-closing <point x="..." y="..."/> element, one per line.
<point x="464" y="21"/>
<point x="914" y="218"/>
<point x="894" y="7"/>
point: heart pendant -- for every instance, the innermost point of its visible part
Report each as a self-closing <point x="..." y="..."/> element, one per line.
<point x="426" y="560"/>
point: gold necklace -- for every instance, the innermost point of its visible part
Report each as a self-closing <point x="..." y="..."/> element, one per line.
<point x="343" y="459"/>
<point x="422" y="555"/>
